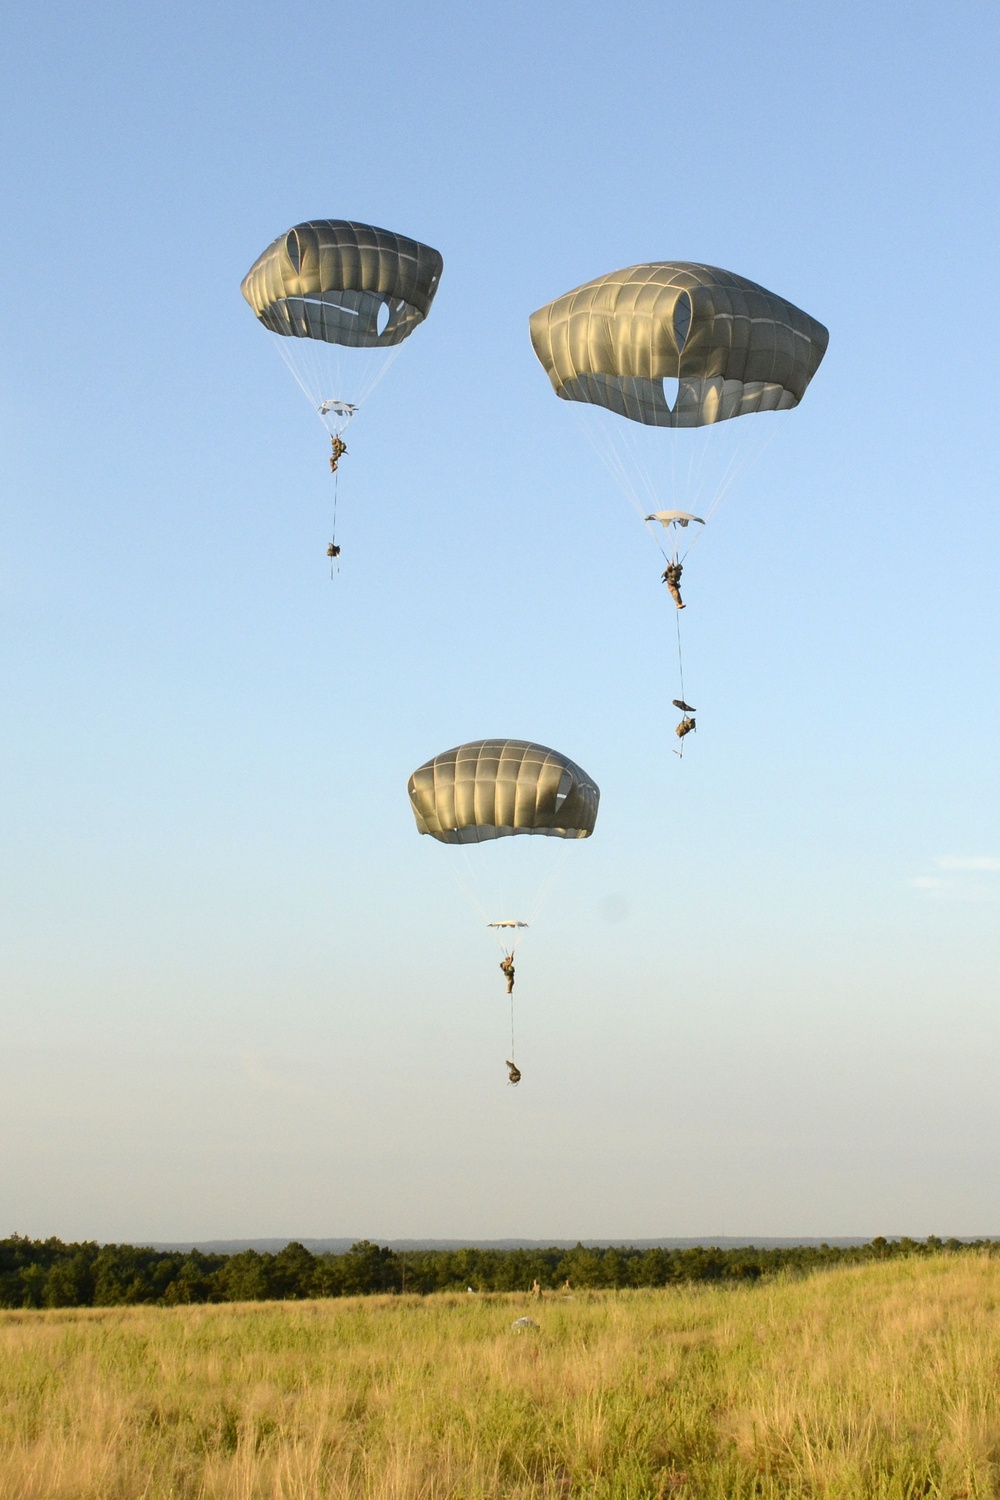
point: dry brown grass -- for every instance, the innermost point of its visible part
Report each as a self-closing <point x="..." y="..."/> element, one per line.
<point x="880" y="1382"/>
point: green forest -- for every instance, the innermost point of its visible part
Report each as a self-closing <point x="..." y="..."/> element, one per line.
<point x="49" y="1273"/>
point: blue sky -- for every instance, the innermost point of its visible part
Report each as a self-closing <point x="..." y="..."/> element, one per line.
<point x="240" y="995"/>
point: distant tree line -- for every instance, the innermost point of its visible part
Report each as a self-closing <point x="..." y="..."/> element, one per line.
<point x="49" y="1273"/>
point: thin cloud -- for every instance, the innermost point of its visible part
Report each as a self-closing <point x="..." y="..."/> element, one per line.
<point x="969" y="892"/>
<point x="973" y="862"/>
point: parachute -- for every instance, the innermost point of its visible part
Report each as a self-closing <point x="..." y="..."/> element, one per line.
<point x="494" y="790"/>
<point x="330" y="285"/>
<point x="330" y="279"/>
<point x="733" y="347"/>
<point x="676" y="345"/>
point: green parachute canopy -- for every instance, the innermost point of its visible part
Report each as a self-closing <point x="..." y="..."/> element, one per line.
<point x="732" y="346"/>
<point x="343" y="283"/>
<point x="492" y="789"/>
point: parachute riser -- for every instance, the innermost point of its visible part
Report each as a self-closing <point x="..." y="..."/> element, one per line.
<point x="508" y="935"/>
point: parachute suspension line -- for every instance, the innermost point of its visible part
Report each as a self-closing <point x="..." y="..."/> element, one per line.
<point x="607" y="443"/>
<point x="650" y="527"/>
<point x="551" y="880"/>
<point x="324" y="375"/>
<point x="700" y="473"/>
<point x="493" y="891"/>
<point x="377" y="376"/>
<point x="467" y="884"/>
<point x="298" y="378"/>
<point x="741" y="460"/>
<point x="482" y="886"/>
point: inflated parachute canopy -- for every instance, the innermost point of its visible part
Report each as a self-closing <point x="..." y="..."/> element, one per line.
<point x="330" y="279"/>
<point x="491" y="789"/>
<point x="734" y="347"/>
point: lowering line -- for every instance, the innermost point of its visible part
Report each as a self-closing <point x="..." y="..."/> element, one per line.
<point x="333" y="551"/>
<point x="680" y="673"/>
<point x="339" y="448"/>
<point x="687" y="724"/>
<point x="507" y="965"/>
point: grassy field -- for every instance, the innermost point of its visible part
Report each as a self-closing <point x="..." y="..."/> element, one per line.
<point x="881" y="1381"/>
